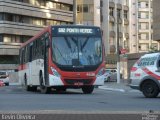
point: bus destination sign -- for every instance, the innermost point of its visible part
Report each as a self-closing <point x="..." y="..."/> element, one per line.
<point x="74" y="31"/>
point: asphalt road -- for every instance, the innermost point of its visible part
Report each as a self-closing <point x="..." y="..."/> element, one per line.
<point x="14" y="98"/>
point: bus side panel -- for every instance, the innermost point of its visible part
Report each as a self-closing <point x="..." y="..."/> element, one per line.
<point x="36" y="67"/>
<point x="21" y="76"/>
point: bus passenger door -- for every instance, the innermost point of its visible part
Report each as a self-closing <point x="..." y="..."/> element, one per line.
<point x="30" y="65"/>
<point x="46" y="60"/>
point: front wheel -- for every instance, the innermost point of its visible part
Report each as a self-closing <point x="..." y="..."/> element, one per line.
<point x="44" y="89"/>
<point x="150" y="89"/>
<point x="87" y="89"/>
<point x="26" y="86"/>
<point x="61" y="89"/>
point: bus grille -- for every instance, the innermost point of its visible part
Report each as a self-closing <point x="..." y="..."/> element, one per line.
<point x="73" y="81"/>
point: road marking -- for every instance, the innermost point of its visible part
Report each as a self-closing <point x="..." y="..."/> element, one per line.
<point x="118" y="90"/>
<point x="111" y="89"/>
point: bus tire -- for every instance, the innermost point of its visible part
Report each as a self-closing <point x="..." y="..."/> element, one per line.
<point x="150" y="89"/>
<point x="87" y="89"/>
<point x="34" y="88"/>
<point x="61" y="89"/>
<point x="44" y="89"/>
<point x="27" y="87"/>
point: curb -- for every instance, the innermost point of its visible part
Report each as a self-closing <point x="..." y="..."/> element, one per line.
<point x="111" y="89"/>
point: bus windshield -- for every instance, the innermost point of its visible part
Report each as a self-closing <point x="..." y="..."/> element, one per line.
<point x="77" y="51"/>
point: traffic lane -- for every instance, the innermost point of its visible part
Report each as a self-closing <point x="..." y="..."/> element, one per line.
<point x="18" y="99"/>
<point x="70" y="100"/>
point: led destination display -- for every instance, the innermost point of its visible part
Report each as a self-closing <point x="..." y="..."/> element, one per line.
<point x="75" y="31"/>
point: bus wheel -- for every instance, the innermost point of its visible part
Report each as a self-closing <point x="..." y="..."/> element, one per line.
<point x="87" y="89"/>
<point x="61" y="89"/>
<point x="27" y="87"/>
<point x="34" y="88"/>
<point x="150" y="89"/>
<point x="44" y="89"/>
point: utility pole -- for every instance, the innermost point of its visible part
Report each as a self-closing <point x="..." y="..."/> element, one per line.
<point x="75" y="11"/>
<point x="118" y="54"/>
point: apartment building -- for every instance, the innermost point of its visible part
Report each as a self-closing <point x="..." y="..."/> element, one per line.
<point x="156" y="20"/>
<point x="115" y="16"/>
<point x="142" y="19"/>
<point x="22" y="19"/>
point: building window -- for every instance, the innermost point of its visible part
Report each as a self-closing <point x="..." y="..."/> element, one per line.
<point x="143" y="36"/>
<point x="143" y="15"/>
<point x="111" y="41"/>
<point x="118" y="13"/>
<point x="144" y="47"/>
<point x="1" y="38"/>
<point x="8" y="17"/>
<point x="49" y="4"/>
<point x="111" y="26"/>
<point x="139" y="4"/>
<point x="125" y="29"/>
<point x="111" y="11"/>
<point x="1" y="16"/>
<point x="15" y="38"/>
<point x="125" y="14"/>
<point x="85" y="8"/>
<point x="101" y="3"/>
<point x="147" y="5"/>
<point x="29" y="20"/>
<point x="143" y="25"/>
<point x="79" y="8"/>
<point x="11" y="39"/>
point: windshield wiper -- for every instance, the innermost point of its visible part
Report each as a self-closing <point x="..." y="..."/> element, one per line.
<point x="59" y="52"/>
<point x="84" y="44"/>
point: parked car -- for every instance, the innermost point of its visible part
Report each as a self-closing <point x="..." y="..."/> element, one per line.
<point x="4" y="77"/>
<point x="145" y="75"/>
<point x="1" y="83"/>
<point x="110" y="75"/>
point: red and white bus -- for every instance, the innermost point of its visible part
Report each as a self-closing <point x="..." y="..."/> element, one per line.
<point x="62" y="57"/>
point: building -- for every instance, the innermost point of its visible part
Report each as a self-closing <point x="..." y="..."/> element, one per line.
<point x="22" y="19"/>
<point x="88" y="12"/>
<point x="115" y="16"/>
<point x="142" y="20"/>
<point x="156" y="20"/>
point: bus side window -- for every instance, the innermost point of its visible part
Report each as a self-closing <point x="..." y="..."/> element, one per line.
<point x="158" y="64"/>
<point x="43" y="46"/>
<point x="30" y="53"/>
<point x="22" y="55"/>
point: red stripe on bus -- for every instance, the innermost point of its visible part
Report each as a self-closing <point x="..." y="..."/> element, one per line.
<point x="151" y="73"/>
<point x="22" y="67"/>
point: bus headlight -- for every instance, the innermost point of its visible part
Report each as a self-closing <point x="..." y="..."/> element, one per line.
<point x="100" y="73"/>
<point x="55" y="73"/>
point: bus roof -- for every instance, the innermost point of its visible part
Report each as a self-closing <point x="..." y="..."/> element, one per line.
<point x="36" y="36"/>
<point x="57" y="26"/>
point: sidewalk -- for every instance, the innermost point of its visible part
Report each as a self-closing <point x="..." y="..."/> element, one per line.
<point x="114" y="86"/>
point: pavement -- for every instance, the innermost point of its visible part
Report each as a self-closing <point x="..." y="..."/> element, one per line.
<point x="114" y="86"/>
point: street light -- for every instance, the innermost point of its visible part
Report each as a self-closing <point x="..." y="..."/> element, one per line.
<point x="118" y="54"/>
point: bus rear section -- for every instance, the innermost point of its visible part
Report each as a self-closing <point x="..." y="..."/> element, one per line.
<point x="73" y="58"/>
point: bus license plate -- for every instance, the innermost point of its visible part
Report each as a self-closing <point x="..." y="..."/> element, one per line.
<point x="78" y="83"/>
